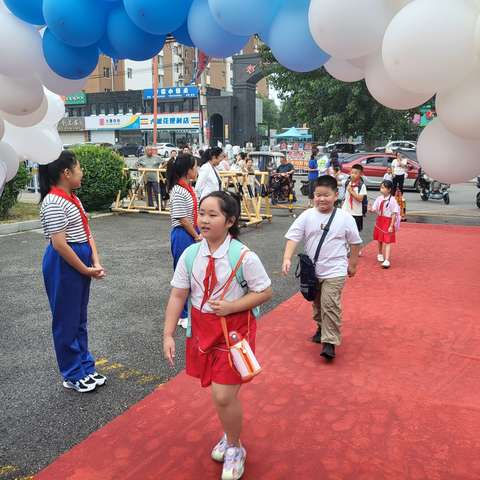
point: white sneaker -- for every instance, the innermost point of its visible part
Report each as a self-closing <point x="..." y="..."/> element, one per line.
<point x="386" y="264"/>
<point x="234" y="463"/>
<point x="98" y="378"/>
<point x="218" y="452"/>
<point x="380" y="258"/>
<point x="84" y="385"/>
<point x="183" y="322"/>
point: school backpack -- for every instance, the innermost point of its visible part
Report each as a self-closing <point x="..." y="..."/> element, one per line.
<point x="365" y="197"/>
<point x="234" y="253"/>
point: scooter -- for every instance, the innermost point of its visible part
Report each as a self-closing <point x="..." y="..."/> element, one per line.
<point x="431" y="189"/>
<point x="478" y="194"/>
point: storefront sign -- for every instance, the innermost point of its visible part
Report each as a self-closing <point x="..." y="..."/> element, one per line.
<point x="165" y="121"/>
<point x="172" y="92"/>
<point x="299" y="158"/>
<point x="71" y="124"/>
<point x="76" y="99"/>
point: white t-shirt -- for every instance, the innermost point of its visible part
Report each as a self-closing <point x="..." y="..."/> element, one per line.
<point x="208" y="181"/>
<point x="390" y="206"/>
<point x="332" y="261"/>
<point x="356" y="208"/>
<point x="253" y="272"/>
<point x="399" y="168"/>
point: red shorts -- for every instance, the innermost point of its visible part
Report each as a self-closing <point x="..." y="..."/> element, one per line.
<point x="207" y="354"/>
<point x="381" y="233"/>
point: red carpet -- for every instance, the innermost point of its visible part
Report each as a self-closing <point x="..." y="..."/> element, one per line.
<point x="401" y="401"/>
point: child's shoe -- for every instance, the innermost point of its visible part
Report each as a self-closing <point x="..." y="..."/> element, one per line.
<point x="386" y="264"/>
<point x="234" y="463"/>
<point x="218" y="452"/>
<point x="183" y="322"/>
<point x="380" y="258"/>
<point x="98" y="378"/>
<point x="82" y="386"/>
<point x="328" y="351"/>
<point x="317" y="338"/>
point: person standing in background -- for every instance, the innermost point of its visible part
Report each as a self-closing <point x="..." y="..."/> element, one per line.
<point x="208" y="178"/>
<point x="149" y="160"/>
<point x="312" y="175"/>
<point x="399" y="166"/>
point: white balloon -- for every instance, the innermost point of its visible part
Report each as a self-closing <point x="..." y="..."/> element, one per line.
<point x="459" y="109"/>
<point x="343" y="70"/>
<point x="429" y="44"/>
<point x="20" y="96"/>
<point x="57" y="84"/>
<point x="2" y="128"/>
<point x="56" y="109"/>
<point x="21" y="46"/>
<point x="386" y="91"/>
<point x="28" y="120"/>
<point x="446" y="157"/>
<point x="349" y="29"/>
<point x="43" y="146"/>
<point x="9" y="157"/>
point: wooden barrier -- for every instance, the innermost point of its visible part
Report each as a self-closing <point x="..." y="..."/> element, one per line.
<point x="252" y="189"/>
<point x="138" y="192"/>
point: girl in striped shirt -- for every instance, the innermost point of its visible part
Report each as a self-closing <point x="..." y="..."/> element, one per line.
<point x="70" y="262"/>
<point x="183" y="211"/>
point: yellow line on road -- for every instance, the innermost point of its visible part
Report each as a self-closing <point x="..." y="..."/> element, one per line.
<point x="6" y="469"/>
<point x="124" y="373"/>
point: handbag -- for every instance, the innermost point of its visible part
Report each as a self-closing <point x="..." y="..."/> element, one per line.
<point x="240" y="355"/>
<point x="306" y="268"/>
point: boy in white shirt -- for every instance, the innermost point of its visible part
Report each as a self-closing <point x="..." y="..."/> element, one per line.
<point x="355" y="192"/>
<point x="333" y="264"/>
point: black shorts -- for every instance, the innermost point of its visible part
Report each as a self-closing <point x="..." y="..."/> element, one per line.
<point x="359" y="222"/>
<point x="311" y="188"/>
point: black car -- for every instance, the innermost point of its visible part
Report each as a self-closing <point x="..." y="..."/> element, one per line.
<point x="129" y="150"/>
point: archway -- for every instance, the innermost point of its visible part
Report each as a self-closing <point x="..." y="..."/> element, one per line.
<point x="217" y="129"/>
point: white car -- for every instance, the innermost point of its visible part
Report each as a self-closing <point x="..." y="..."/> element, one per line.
<point x="165" y="149"/>
<point x="393" y="146"/>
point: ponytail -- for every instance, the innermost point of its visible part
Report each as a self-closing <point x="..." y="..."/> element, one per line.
<point x="206" y="157"/>
<point x="49" y="175"/>
<point x="178" y="168"/>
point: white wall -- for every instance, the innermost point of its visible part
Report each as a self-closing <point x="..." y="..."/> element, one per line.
<point x="141" y="75"/>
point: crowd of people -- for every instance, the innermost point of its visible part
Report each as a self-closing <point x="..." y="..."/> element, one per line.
<point x="218" y="282"/>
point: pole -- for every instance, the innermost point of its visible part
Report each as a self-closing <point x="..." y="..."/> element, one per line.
<point x="155" y="100"/>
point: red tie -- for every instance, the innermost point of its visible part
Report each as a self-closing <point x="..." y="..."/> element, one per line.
<point x="210" y="280"/>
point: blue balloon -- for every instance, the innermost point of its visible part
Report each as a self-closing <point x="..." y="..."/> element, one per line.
<point x="29" y="11"/>
<point x="244" y="17"/>
<point x="77" y="23"/>
<point x="207" y="34"/>
<point x="67" y="61"/>
<point x="128" y="40"/>
<point x="158" y="17"/>
<point x="106" y="48"/>
<point x="182" y="36"/>
<point x="291" y="41"/>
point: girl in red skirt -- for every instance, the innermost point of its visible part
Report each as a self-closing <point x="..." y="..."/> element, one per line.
<point x="388" y="212"/>
<point x="204" y="280"/>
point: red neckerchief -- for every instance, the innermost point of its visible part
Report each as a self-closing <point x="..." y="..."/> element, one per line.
<point x="192" y="193"/>
<point x="383" y="203"/>
<point x="209" y="282"/>
<point x="73" y="199"/>
<point x="353" y="185"/>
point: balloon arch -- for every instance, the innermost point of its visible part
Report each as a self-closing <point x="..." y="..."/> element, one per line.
<point x="406" y="51"/>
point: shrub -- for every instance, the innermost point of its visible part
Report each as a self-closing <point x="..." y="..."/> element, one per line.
<point x="12" y="189"/>
<point x="102" y="176"/>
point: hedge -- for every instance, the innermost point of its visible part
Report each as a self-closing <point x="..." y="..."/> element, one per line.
<point x="12" y="189"/>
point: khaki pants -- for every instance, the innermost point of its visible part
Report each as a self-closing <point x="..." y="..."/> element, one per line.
<point x="327" y="309"/>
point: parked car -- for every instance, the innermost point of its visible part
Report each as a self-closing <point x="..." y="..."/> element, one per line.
<point x="343" y="147"/>
<point x="165" y="149"/>
<point x="129" y="150"/>
<point x="402" y="145"/>
<point x="375" y="166"/>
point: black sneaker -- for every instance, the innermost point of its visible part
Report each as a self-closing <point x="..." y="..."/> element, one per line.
<point x="84" y="385"/>
<point x="98" y="378"/>
<point x="317" y="338"/>
<point x="328" y="351"/>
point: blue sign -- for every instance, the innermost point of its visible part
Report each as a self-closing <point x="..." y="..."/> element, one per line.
<point x="172" y="92"/>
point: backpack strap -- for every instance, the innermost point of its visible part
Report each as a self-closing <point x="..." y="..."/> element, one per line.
<point x="190" y="255"/>
<point x="234" y="254"/>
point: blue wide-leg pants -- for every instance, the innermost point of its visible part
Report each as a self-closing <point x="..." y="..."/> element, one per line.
<point x="68" y="293"/>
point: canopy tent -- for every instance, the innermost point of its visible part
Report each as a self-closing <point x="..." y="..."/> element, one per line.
<point x="294" y="134"/>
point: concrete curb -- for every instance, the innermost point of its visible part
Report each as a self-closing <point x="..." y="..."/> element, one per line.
<point x="19" y="227"/>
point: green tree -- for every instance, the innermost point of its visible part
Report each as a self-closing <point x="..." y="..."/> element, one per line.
<point x="12" y="189"/>
<point x="271" y="113"/>
<point x="334" y="109"/>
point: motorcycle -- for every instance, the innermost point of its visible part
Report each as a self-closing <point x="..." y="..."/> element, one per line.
<point x="431" y="189"/>
<point x="478" y="194"/>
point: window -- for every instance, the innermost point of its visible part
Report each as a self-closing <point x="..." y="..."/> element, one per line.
<point x="93" y="109"/>
<point x="108" y="89"/>
<point x="130" y="73"/>
<point x="172" y="108"/>
<point x="111" y="110"/>
<point x="375" y="161"/>
<point x="120" y="109"/>
<point x="106" y="72"/>
<point x="102" y="108"/>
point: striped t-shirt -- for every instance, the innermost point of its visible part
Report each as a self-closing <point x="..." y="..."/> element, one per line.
<point x="59" y="215"/>
<point x="181" y="205"/>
